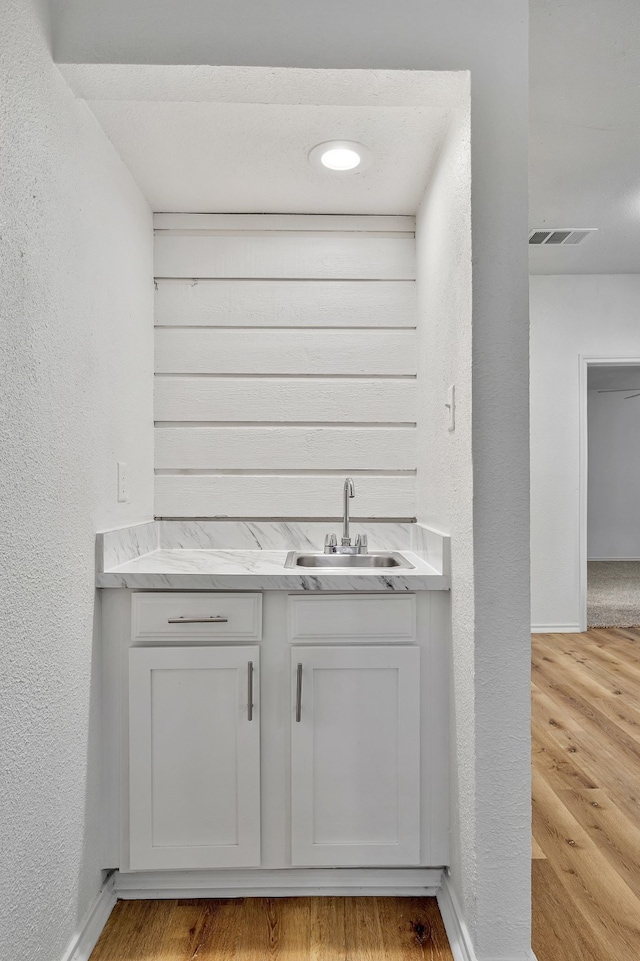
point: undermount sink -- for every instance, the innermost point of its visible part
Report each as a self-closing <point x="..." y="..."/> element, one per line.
<point x="372" y="560"/>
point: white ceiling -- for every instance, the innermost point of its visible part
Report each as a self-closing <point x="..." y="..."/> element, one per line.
<point x="236" y="139"/>
<point x="585" y="132"/>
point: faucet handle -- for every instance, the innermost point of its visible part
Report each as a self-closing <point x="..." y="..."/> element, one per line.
<point x="330" y="543"/>
<point x="362" y="543"/>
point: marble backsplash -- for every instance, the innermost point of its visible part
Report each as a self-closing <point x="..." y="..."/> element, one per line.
<point x="275" y="535"/>
<point x="432" y="546"/>
<point x="125" y="544"/>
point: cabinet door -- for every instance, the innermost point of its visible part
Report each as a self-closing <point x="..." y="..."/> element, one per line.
<point x="355" y="768"/>
<point x="194" y="757"/>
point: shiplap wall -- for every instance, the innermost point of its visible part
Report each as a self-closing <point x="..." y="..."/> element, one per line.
<point x="285" y="360"/>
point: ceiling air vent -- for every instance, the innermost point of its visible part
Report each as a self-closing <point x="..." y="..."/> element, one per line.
<point x="557" y="236"/>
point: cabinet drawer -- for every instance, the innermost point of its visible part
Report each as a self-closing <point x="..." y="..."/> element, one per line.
<point x="176" y="615"/>
<point x="352" y="617"/>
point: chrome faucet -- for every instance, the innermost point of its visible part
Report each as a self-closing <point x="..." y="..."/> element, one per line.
<point x="349" y="492"/>
<point x="331" y="542"/>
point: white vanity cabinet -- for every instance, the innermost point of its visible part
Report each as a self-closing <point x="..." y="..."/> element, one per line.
<point x="273" y="731"/>
<point x="194" y="730"/>
<point x="355" y="748"/>
<point x="194" y="757"/>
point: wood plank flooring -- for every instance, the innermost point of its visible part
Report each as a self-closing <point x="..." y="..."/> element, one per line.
<point x="586" y="795"/>
<point x="275" y="929"/>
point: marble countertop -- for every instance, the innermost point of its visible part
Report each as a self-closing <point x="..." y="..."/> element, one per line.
<point x="260" y="570"/>
<point x="243" y="555"/>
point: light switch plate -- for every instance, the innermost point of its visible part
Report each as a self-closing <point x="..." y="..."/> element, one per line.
<point x="451" y="408"/>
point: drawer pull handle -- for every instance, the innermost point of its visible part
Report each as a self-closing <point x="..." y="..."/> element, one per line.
<point x="299" y="693"/>
<point x="198" y="620"/>
<point x="250" y="693"/>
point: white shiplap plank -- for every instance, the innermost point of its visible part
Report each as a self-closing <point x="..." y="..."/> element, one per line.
<point x="212" y="351"/>
<point x="255" y="316"/>
<point x="282" y="303"/>
<point x="285" y="448"/>
<point x="285" y="255"/>
<point x="289" y="400"/>
<point x="282" y="222"/>
<point x="201" y="495"/>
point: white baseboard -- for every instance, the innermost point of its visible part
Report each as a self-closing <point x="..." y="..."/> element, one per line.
<point x="86" y="936"/>
<point x="279" y="883"/>
<point x="555" y="628"/>
<point x="459" y="938"/>
<point x="460" y="941"/>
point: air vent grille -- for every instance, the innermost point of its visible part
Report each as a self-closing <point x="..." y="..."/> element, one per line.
<point x="538" y="236"/>
<point x="559" y="236"/>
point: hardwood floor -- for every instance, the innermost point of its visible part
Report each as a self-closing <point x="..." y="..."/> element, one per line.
<point x="275" y="929"/>
<point x="586" y="796"/>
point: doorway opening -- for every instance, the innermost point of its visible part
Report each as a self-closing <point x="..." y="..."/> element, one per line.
<point x="610" y="493"/>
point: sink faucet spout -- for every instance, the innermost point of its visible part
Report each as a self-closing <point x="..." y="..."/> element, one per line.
<point x="349" y="491"/>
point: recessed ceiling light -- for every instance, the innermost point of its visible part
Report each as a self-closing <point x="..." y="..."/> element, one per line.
<point x="340" y="158"/>
<point x="340" y="155"/>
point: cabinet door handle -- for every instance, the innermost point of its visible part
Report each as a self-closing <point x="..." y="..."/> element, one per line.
<point x="299" y="693"/>
<point x="198" y="620"/>
<point x="250" y="692"/>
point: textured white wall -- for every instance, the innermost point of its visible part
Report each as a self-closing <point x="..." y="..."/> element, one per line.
<point x="480" y="855"/>
<point x="76" y="395"/>
<point x="445" y="470"/>
<point x="613" y="527"/>
<point x="491" y="41"/>
<point x="571" y="315"/>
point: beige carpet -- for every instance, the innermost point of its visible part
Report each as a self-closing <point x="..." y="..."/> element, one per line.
<point x="613" y="593"/>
